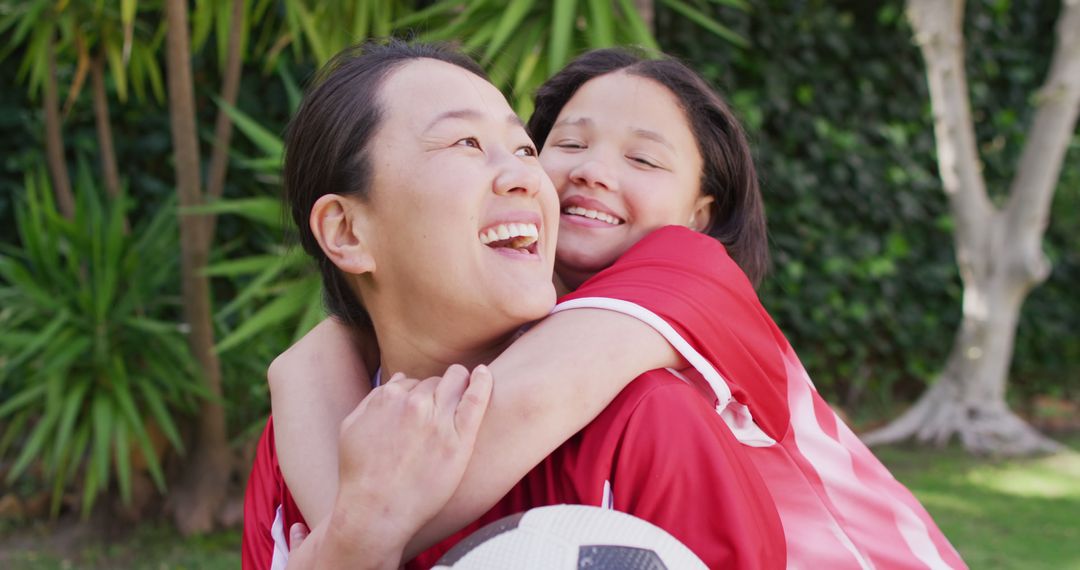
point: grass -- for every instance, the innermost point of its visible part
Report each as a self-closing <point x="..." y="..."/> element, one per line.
<point x="1000" y="514"/>
<point x="149" y="547"/>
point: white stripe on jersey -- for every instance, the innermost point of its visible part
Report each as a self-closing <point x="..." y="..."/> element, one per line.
<point x="281" y="548"/>
<point x="735" y="415"/>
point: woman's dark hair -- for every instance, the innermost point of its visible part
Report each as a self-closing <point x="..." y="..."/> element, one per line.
<point x="738" y="213"/>
<point x="328" y="144"/>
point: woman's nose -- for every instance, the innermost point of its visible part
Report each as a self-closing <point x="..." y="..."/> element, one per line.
<point x="517" y="177"/>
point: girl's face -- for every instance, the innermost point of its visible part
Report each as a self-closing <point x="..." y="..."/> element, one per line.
<point x="461" y="218"/>
<point x="625" y="162"/>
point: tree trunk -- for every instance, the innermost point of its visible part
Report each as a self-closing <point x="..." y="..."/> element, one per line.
<point x="54" y="140"/>
<point x="109" y="171"/>
<point x="968" y="398"/>
<point x="998" y="250"/>
<point x="219" y="160"/>
<point x="203" y="484"/>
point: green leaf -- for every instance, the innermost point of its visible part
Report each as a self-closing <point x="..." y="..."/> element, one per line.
<point x="512" y="17"/>
<point x="160" y="413"/>
<point x="117" y="68"/>
<point x="242" y="266"/>
<point x="35" y="442"/>
<point x="292" y="302"/>
<point x="563" y="16"/>
<point x="601" y="26"/>
<point x="703" y="20"/>
<point x="638" y="30"/>
<point x="266" y="211"/>
<point x="122" y="451"/>
<point x="72" y="406"/>
<point x="429" y="13"/>
<point x="21" y="400"/>
<point x="267" y="141"/>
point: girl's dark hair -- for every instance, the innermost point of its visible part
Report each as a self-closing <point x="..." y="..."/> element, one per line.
<point x="738" y="212"/>
<point x="328" y="144"/>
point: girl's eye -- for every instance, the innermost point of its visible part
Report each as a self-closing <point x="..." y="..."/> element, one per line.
<point x="527" y="150"/>
<point x="470" y="142"/>
<point x="573" y="145"/>
<point x="644" y="161"/>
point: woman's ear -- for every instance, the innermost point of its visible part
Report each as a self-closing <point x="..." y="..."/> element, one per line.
<point x="338" y="226"/>
<point x="701" y="216"/>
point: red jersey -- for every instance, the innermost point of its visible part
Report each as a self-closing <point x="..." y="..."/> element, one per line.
<point x="269" y="510"/>
<point x="658" y="451"/>
<point x="840" y="507"/>
<point x="661" y="453"/>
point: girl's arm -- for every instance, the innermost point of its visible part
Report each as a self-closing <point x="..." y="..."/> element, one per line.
<point x="552" y="382"/>
<point x="314" y="385"/>
<point x="548" y="385"/>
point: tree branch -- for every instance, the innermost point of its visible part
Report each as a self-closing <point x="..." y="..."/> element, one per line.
<point x="54" y="140"/>
<point x="1032" y="190"/>
<point x="104" y="128"/>
<point x="939" y="33"/>
<point x="219" y="160"/>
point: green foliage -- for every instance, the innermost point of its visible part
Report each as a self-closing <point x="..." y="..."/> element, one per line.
<point x="81" y="29"/>
<point x="94" y="364"/>
<point x="523" y="42"/>
<point x="864" y="280"/>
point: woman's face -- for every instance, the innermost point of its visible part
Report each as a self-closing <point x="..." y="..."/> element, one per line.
<point x="462" y="219"/>
<point x="625" y="162"/>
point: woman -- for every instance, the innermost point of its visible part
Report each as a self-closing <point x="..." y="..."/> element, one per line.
<point x="619" y="136"/>
<point x="441" y="237"/>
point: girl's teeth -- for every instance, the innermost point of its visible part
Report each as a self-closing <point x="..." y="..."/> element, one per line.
<point x="593" y="214"/>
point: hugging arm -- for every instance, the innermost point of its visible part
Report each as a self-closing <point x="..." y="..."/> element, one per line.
<point x="314" y="385"/>
<point x="551" y="382"/>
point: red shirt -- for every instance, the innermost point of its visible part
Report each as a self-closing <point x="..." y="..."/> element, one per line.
<point x="660" y="452"/>
<point x="840" y="506"/>
<point x="269" y="510"/>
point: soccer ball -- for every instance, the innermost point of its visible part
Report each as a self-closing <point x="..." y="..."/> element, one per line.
<point x="570" y="537"/>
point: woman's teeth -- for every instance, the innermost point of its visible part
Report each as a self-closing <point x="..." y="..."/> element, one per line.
<point x="514" y="235"/>
<point x="593" y="214"/>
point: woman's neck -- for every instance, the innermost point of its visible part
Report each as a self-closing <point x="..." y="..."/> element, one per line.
<point x="422" y="358"/>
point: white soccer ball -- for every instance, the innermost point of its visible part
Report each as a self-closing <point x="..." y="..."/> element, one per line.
<point x="570" y="537"/>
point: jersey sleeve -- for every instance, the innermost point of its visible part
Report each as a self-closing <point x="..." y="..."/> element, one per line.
<point x="685" y="286"/>
<point x="267" y="510"/>
<point x="679" y="467"/>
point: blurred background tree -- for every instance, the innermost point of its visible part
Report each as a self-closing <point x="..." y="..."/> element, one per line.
<point x="833" y="93"/>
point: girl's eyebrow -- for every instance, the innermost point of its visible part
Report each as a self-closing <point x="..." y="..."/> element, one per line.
<point x="638" y="132"/>
<point x="574" y="122"/>
<point x="654" y="136"/>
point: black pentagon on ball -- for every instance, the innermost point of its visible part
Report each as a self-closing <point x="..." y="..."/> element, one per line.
<point x="611" y="557"/>
<point x="479" y="537"/>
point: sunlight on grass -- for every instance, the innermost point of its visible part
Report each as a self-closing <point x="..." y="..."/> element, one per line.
<point x="1054" y="477"/>
<point x="1016" y="513"/>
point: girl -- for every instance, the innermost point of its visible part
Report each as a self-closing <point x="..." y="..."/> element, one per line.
<point x="633" y="145"/>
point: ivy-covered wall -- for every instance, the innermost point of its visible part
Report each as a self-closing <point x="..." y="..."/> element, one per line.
<point x="864" y="280"/>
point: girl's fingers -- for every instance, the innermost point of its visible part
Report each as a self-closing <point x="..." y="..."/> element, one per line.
<point x="298" y="532"/>
<point x="474" y="402"/>
<point x="450" y="389"/>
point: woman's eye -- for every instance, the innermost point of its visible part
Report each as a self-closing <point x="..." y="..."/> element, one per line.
<point x="527" y="150"/>
<point x="470" y="142"/>
<point x="575" y="145"/>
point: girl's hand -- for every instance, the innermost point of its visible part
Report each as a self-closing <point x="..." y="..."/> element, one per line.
<point x="402" y="453"/>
